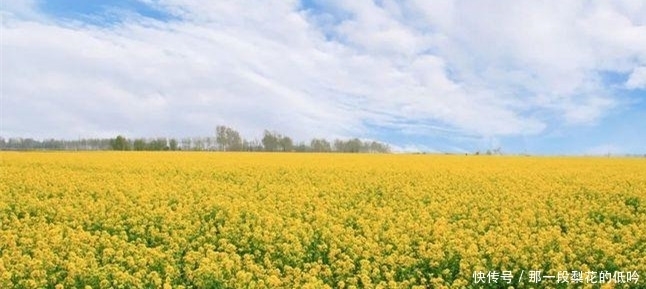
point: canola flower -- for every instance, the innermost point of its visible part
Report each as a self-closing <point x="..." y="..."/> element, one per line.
<point x="263" y="220"/>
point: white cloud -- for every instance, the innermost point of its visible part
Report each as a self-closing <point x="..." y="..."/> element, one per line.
<point x="20" y="9"/>
<point x="413" y="148"/>
<point x="588" y="111"/>
<point x="487" y="68"/>
<point x="637" y="79"/>
<point x="604" y="149"/>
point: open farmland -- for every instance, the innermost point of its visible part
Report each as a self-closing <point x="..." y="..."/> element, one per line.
<point x="262" y="220"/>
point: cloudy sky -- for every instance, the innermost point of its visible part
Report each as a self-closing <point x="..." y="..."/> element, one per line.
<point x="541" y="77"/>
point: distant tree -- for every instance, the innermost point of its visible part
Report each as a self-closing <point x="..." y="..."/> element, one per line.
<point x="30" y="144"/>
<point x="354" y="145"/>
<point x="286" y="144"/>
<point x="139" y="144"/>
<point x="339" y="145"/>
<point x="252" y="146"/>
<point x="198" y="144"/>
<point x="120" y="143"/>
<point x="320" y="145"/>
<point x="228" y="139"/>
<point x="158" y="144"/>
<point x="234" y="141"/>
<point x="349" y="146"/>
<point x="374" y="147"/>
<point x="302" y="147"/>
<point x="209" y="143"/>
<point x="270" y="141"/>
<point x="186" y="144"/>
<point x="377" y="147"/>
<point x="172" y="144"/>
<point x="221" y="137"/>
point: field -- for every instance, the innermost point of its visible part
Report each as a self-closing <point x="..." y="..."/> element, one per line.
<point x="262" y="220"/>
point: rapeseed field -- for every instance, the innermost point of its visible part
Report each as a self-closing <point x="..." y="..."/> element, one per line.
<point x="263" y="220"/>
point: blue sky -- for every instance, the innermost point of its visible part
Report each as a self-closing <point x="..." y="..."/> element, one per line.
<point x="447" y="76"/>
<point x="101" y="13"/>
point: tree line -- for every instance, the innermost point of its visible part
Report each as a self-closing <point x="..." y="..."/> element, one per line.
<point x="225" y="139"/>
<point x="55" y="144"/>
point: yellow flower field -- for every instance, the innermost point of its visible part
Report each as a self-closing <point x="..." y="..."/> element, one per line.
<point x="262" y="220"/>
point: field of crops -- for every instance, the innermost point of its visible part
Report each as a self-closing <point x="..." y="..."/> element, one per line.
<point x="261" y="220"/>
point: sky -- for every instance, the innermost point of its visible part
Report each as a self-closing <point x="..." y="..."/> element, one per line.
<point x="535" y="77"/>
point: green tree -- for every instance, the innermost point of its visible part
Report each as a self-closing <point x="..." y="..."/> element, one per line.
<point x="377" y="147"/>
<point x="139" y="144"/>
<point x="286" y="144"/>
<point x="158" y="144"/>
<point x="120" y="143"/>
<point x="354" y="145"/>
<point x="172" y="144"/>
<point x="228" y="139"/>
<point x="320" y="145"/>
<point x="270" y="141"/>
